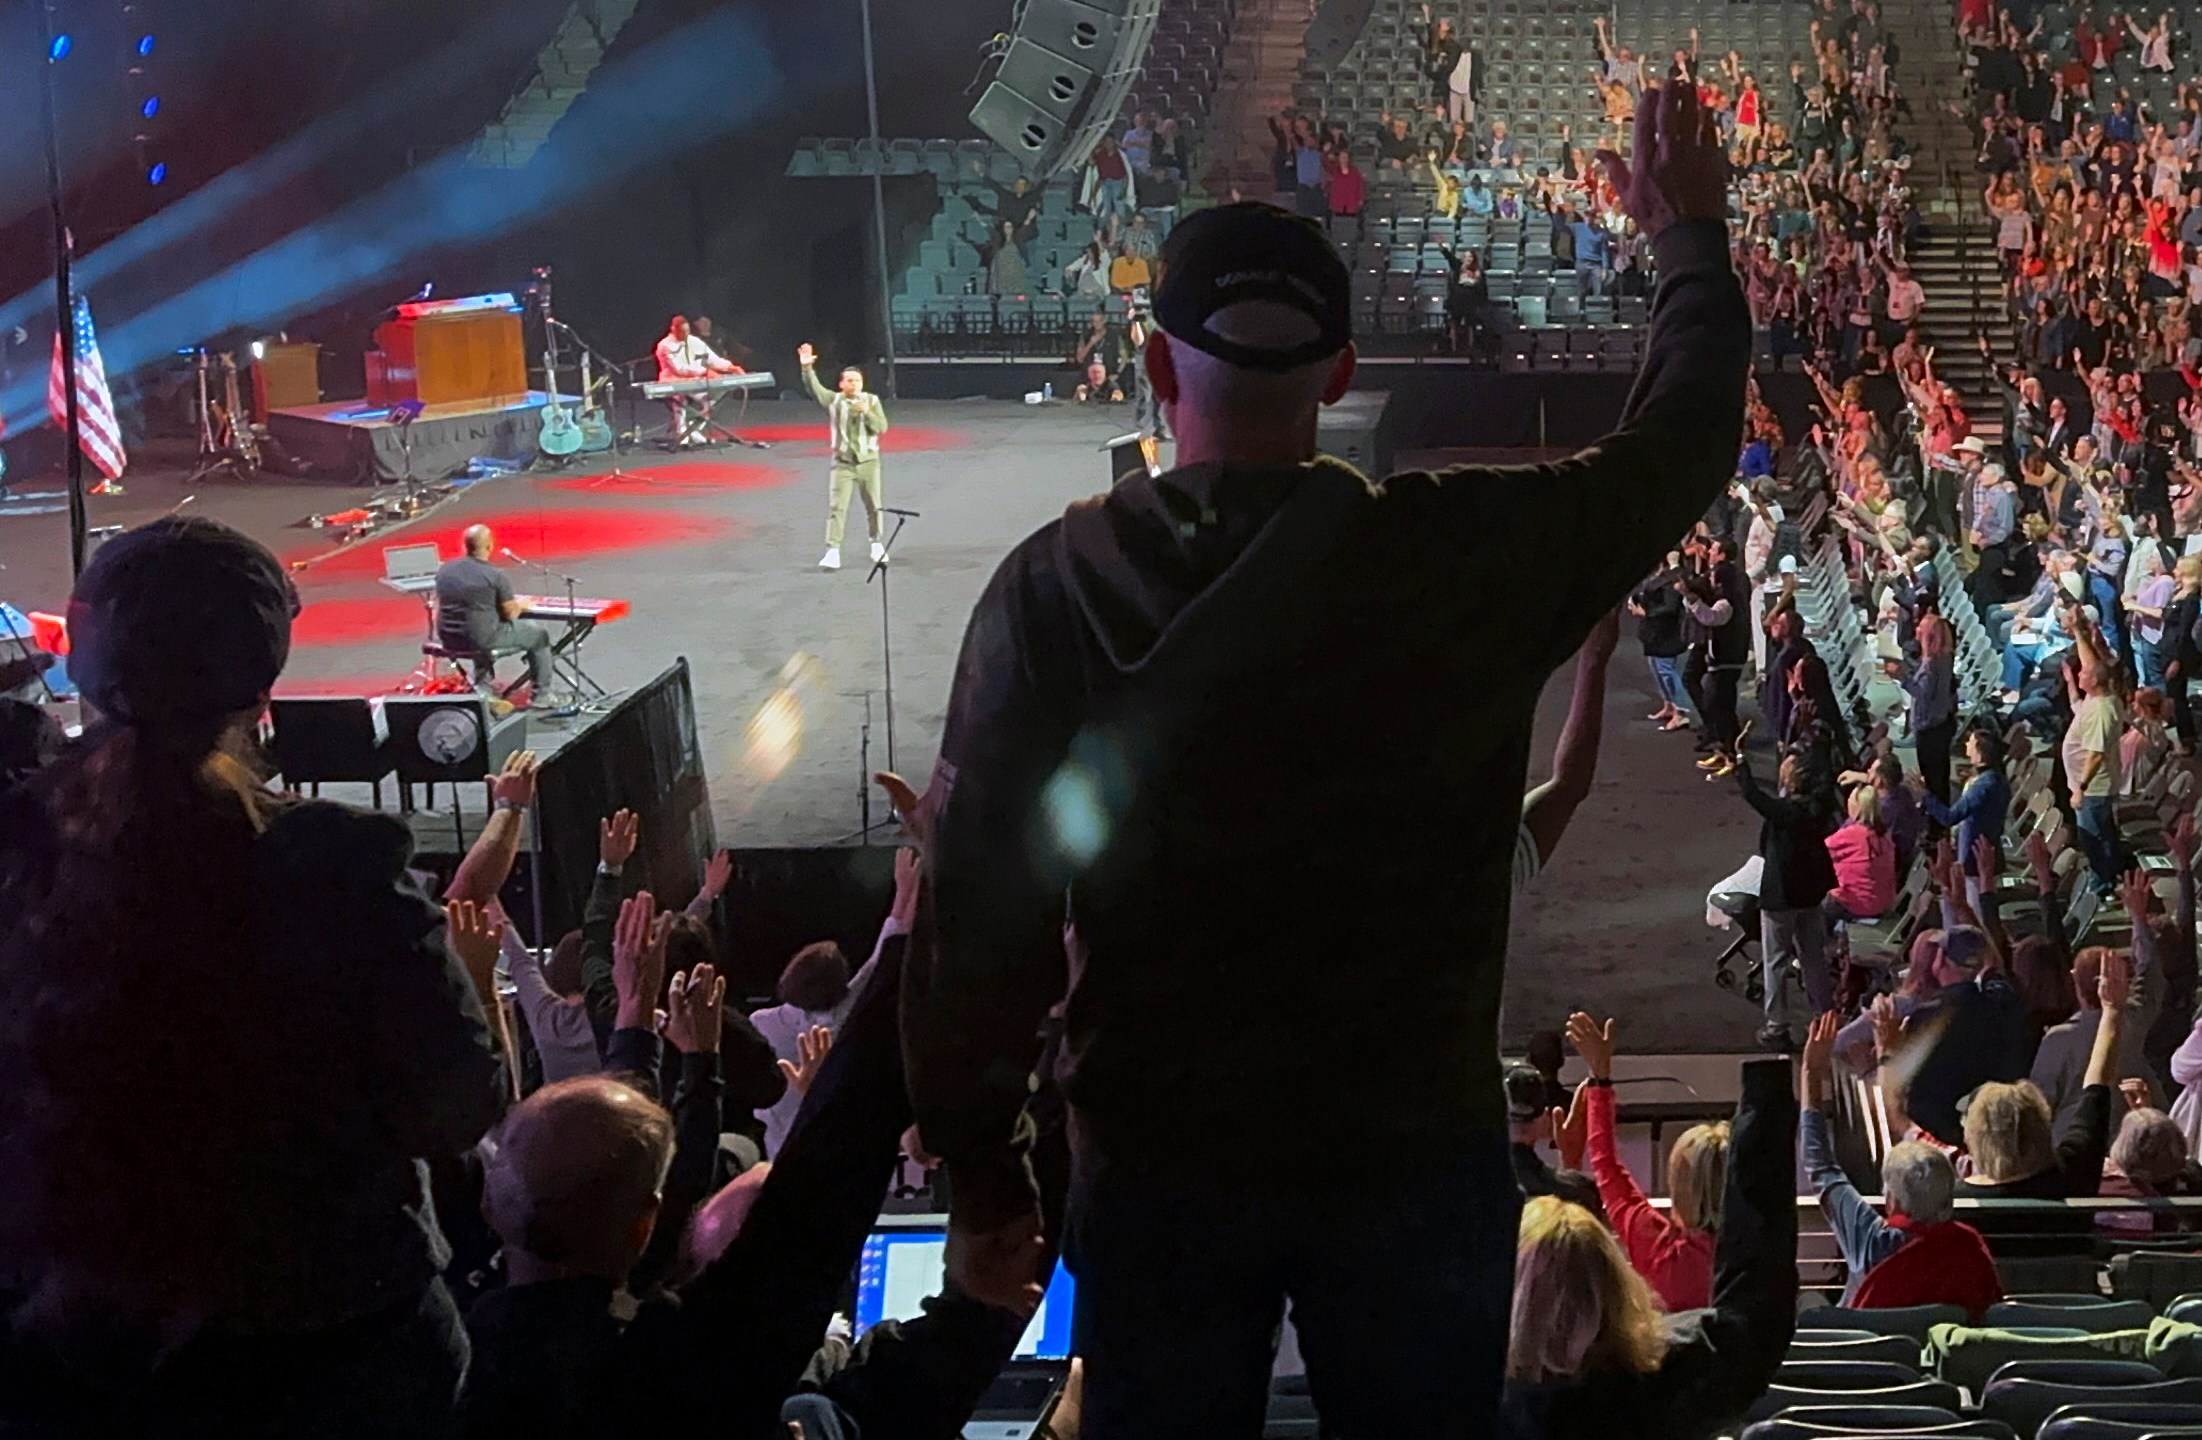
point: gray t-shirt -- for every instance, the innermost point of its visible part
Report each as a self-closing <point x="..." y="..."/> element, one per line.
<point x="468" y="592"/>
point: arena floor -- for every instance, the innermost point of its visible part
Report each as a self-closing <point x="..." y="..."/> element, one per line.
<point x="717" y="554"/>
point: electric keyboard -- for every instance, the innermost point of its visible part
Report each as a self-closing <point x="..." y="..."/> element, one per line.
<point x="465" y="305"/>
<point x="708" y="385"/>
<point x="588" y="609"/>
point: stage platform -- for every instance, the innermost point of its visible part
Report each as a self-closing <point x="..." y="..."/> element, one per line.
<point x="352" y="442"/>
<point x="717" y="552"/>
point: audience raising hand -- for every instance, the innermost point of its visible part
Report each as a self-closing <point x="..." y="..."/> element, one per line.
<point x="1589" y="1342"/>
<point x="1673" y="1251"/>
<point x="1919" y="1254"/>
<point x="1111" y="742"/>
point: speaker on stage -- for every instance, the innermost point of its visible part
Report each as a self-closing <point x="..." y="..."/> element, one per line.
<point x="1069" y="66"/>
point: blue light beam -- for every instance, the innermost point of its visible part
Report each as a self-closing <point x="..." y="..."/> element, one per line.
<point x="687" y="88"/>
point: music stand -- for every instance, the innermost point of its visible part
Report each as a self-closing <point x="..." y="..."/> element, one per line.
<point x="402" y="416"/>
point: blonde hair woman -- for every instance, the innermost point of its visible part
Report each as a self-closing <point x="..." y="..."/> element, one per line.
<point x="2007" y="1127"/>
<point x="1590" y="1341"/>
<point x="1673" y="1251"/>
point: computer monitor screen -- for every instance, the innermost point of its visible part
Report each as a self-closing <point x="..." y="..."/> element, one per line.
<point x="900" y="1269"/>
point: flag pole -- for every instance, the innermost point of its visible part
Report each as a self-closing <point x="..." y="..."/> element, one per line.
<point x="64" y="297"/>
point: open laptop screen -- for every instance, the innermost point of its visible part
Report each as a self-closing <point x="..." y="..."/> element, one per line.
<point x="902" y="1267"/>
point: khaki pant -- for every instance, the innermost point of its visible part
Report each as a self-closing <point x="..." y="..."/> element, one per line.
<point x="862" y="477"/>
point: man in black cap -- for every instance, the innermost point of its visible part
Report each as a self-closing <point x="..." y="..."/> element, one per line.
<point x="1258" y="720"/>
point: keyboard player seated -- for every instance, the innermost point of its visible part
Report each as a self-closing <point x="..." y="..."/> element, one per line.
<point x="478" y="615"/>
<point x="684" y="356"/>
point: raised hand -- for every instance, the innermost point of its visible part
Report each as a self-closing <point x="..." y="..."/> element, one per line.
<point x="515" y="784"/>
<point x="1593" y="1042"/>
<point x="805" y="356"/>
<point x="2038" y="860"/>
<point x="2134" y="890"/>
<point x="616" y="835"/>
<point x="811" y="1049"/>
<point x="1887" y="1029"/>
<point x="638" y="959"/>
<point x="1571" y="1133"/>
<point x="1942" y="866"/>
<point x="718" y="871"/>
<point x="693" y="1011"/>
<point x="2115" y="988"/>
<point x="1819" y="1056"/>
<point x="910" y="805"/>
<point x="474" y="933"/>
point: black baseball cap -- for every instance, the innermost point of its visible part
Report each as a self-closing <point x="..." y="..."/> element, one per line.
<point x="179" y="621"/>
<point x="1230" y="254"/>
<point x="1525" y="1093"/>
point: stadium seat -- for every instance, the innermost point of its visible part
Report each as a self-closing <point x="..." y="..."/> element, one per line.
<point x="2091" y="1313"/>
<point x="1937" y="1393"/>
<point x="1853" y="1345"/>
<point x="1880" y="1419"/>
<point x="1781" y="1427"/>
<point x="1911" y="1320"/>
<point x="2025" y="1404"/>
<point x="2158" y="1277"/>
<point x="1844" y="1374"/>
<point x="2104" y="1420"/>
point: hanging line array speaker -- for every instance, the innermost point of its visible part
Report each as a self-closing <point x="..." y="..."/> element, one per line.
<point x="1069" y="66"/>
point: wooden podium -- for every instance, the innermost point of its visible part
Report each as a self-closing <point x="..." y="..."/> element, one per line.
<point x="450" y="352"/>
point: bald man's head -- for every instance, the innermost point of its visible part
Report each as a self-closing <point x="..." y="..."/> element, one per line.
<point x="477" y="539"/>
<point x="576" y="1179"/>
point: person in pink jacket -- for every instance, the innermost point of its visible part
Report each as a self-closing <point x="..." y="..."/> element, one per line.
<point x="1865" y="862"/>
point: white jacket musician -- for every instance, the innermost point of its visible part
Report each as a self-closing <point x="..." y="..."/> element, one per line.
<point x="683" y="356"/>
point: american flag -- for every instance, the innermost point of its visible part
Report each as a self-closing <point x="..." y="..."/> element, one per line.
<point x="100" y="435"/>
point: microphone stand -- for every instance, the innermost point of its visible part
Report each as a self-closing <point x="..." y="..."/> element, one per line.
<point x="886" y="630"/>
<point x="887" y="676"/>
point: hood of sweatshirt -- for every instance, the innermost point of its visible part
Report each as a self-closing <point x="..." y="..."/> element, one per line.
<point x="1157" y="560"/>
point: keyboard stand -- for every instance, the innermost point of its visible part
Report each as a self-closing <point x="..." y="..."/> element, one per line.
<point x="582" y="691"/>
<point x="706" y="427"/>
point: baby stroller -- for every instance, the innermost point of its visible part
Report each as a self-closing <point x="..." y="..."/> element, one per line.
<point x="1733" y="903"/>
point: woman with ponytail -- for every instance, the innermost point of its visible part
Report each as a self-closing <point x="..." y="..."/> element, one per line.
<point x="231" y="1034"/>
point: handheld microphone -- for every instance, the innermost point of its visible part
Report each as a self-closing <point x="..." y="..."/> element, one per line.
<point x="891" y="510"/>
<point x="507" y="553"/>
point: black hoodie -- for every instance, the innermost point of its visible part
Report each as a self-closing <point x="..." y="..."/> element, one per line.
<point x="1268" y="731"/>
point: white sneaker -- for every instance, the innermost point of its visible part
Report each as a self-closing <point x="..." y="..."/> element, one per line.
<point x="831" y="560"/>
<point x="879" y="553"/>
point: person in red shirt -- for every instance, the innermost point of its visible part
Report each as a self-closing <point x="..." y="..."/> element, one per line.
<point x="1347" y="186"/>
<point x="1672" y="1251"/>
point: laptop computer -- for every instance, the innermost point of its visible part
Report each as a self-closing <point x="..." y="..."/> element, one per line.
<point x="410" y="568"/>
<point x="904" y="1263"/>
